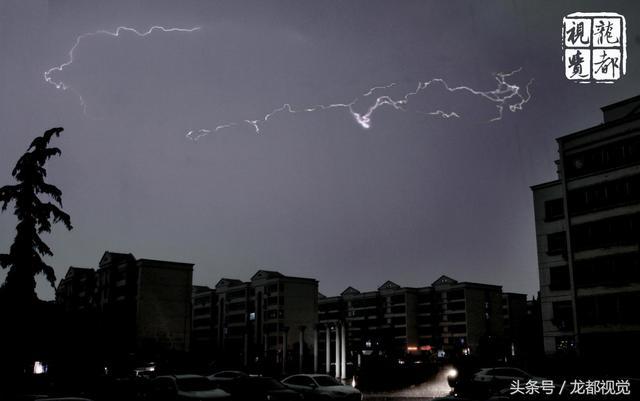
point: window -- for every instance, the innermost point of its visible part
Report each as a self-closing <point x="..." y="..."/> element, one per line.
<point x="565" y="343"/>
<point x="398" y="309"/>
<point x="458" y="305"/>
<point x="327" y="381"/>
<point x="559" y="278"/>
<point x="201" y="311"/>
<point x="612" y="231"/>
<point x="563" y="315"/>
<point x="553" y="209"/>
<point x="457" y="317"/>
<point x="397" y="299"/>
<point x="300" y="381"/>
<point x="458" y="329"/>
<point x="557" y="243"/>
<point x="608" y="271"/>
<point x="620" y="153"/>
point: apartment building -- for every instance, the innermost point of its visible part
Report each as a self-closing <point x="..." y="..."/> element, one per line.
<point x="75" y="292"/>
<point x="268" y="323"/>
<point x="395" y="322"/>
<point x="588" y="228"/>
<point x="139" y="304"/>
<point x="204" y="319"/>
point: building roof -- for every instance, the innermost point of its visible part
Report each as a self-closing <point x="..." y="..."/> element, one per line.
<point x="350" y="291"/>
<point x="444" y="280"/>
<point x="163" y="263"/>
<point x="109" y="257"/>
<point x="266" y="275"/>
<point x="228" y="282"/>
<point x="613" y="114"/>
<point x="199" y="289"/>
<point x="76" y="271"/>
<point x="389" y="285"/>
<point x="545" y="185"/>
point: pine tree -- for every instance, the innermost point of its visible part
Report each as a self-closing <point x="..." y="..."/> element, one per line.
<point x="35" y="217"/>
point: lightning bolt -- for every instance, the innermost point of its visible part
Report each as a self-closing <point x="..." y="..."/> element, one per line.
<point x="63" y="86"/>
<point x="443" y="114"/>
<point x="506" y="94"/>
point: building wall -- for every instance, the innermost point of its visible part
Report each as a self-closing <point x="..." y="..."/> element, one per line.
<point x="164" y="305"/>
<point x="255" y="317"/>
<point x="551" y="258"/>
<point x="300" y="309"/>
<point x="203" y="322"/>
<point x="600" y="187"/>
<point x="400" y="321"/>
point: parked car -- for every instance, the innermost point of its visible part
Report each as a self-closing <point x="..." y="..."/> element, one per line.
<point x="256" y="388"/>
<point x="502" y="377"/>
<point x="322" y="387"/>
<point x="226" y="379"/>
<point x="63" y="399"/>
<point x="185" y="387"/>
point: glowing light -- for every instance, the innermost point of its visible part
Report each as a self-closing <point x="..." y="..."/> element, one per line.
<point x="506" y="96"/>
<point x="452" y="373"/>
<point x="63" y="86"/>
<point x="411" y="348"/>
<point x="353" y="382"/>
<point x="39" y="368"/>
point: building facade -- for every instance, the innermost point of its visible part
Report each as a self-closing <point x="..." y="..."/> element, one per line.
<point x="204" y="319"/>
<point x="268" y="323"/>
<point x="446" y="318"/>
<point x="138" y="304"/>
<point x="588" y="238"/>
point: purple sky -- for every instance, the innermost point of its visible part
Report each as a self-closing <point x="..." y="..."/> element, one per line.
<point x="314" y="194"/>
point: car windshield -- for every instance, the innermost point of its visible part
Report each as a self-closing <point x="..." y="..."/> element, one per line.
<point x="195" y="384"/>
<point x="265" y="383"/>
<point x="324" y="381"/>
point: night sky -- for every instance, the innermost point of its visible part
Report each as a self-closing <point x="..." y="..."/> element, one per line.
<point x="312" y="194"/>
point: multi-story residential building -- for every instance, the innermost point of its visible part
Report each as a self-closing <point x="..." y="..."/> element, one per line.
<point x="140" y="304"/>
<point x="588" y="231"/>
<point x="75" y="292"/>
<point x="461" y="317"/>
<point x="268" y="323"/>
<point x="204" y="320"/>
<point x="394" y="321"/>
<point x="514" y="310"/>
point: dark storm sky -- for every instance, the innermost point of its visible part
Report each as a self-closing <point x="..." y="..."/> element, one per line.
<point x="314" y="194"/>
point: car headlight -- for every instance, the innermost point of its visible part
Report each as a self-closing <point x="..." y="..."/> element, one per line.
<point x="452" y="373"/>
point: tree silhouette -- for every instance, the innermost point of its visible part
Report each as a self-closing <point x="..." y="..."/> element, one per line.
<point x="24" y="259"/>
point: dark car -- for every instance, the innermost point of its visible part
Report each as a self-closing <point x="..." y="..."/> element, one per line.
<point x="255" y="388"/>
<point x="185" y="387"/>
<point x="226" y="379"/>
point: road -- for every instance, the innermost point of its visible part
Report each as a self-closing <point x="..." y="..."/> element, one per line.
<point x="436" y="387"/>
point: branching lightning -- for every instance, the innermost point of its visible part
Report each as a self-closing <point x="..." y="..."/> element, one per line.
<point x="63" y="86"/>
<point x="505" y="95"/>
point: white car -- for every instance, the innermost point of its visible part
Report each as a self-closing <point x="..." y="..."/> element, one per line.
<point x="185" y="387"/>
<point x="322" y="387"/>
<point x="503" y="376"/>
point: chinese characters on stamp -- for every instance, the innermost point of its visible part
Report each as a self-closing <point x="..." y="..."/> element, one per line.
<point x="594" y="47"/>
